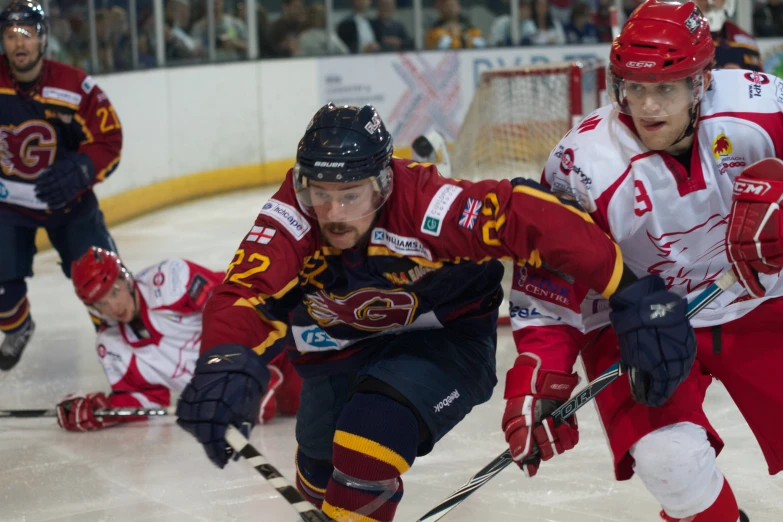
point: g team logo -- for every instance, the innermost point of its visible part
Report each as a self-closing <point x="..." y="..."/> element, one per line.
<point x="27" y="150"/>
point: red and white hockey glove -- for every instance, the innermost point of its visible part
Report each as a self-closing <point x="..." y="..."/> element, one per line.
<point x="754" y="239"/>
<point x="532" y="394"/>
<point x="282" y="393"/>
<point x="74" y="412"/>
<point x="269" y="401"/>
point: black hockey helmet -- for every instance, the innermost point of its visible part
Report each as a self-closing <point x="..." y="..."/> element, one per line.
<point x="26" y="13"/>
<point x="344" y="145"/>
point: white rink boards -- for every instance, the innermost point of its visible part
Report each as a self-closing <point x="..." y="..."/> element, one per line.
<point x="154" y="471"/>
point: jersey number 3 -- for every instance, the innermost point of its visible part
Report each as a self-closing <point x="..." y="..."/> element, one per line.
<point x="643" y="203"/>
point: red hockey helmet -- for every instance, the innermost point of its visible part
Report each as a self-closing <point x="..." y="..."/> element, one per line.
<point x="95" y="273"/>
<point x="663" y="41"/>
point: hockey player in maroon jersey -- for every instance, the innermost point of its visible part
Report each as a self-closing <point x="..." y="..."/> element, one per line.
<point x="734" y="47"/>
<point x="59" y="136"/>
<point x="149" y="338"/>
<point x="387" y="271"/>
<point x="682" y="171"/>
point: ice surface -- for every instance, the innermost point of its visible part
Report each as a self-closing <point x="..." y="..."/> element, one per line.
<point x="154" y="471"/>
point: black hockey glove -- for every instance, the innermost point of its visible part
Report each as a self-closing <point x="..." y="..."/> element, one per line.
<point x="657" y="343"/>
<point x="226" y="389"/>
<point x="64" y="180"/>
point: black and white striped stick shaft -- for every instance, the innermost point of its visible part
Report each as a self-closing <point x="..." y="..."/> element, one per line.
<point x="241" y="445"/>
<point x="567" y="409"/>
<point x="110" y="412"/>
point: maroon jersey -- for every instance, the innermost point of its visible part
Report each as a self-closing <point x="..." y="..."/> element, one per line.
<point x="733" y="46"/>
<point x="65" y="112"/>
<point x="428" y="262"/>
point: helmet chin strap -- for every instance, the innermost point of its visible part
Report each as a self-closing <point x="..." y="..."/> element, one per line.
<point x="691" y="128"/>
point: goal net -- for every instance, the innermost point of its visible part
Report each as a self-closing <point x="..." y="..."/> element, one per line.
<point x="519" y="114"/>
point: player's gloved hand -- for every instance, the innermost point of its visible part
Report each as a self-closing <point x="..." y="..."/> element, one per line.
<point x="531" y="433"/>
<point x="64" y="180"/>
<point x="754" y="239"/>
<point x="657" y="343"/>
<point x="75" y="412"/>
<point x="226" y="388"/>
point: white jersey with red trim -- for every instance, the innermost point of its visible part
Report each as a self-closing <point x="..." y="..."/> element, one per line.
<point x="667" y="221"/>
<point x="157" y="352"/>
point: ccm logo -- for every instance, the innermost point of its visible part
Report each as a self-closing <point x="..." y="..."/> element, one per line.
<point x="560" y="386"/>
<point x="757" y="188"/>
<point x="640" y="65"/>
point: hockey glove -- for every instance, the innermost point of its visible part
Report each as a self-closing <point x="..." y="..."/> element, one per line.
<point x="64" y="180"/>
<point x="754" y="239"/>
<point x="75" y="412"/>
<point x="657" y="343"/>
<point x="531" y="433"/>
<point x="226" y="388"/>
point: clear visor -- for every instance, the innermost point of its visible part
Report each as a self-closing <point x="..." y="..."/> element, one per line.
<point x="656" y="100"/>
<point x="24" y="31"/>
<point x="116" y="301"/>
<point x="342" y="202"/>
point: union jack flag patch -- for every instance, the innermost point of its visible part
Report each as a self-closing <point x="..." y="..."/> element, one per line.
<point x="470" y="213"/>
<point x="262" y="235"/>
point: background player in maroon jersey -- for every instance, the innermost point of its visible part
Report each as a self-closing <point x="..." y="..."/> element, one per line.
<point x="734" y="47"/>
<point x="59" y="136"/>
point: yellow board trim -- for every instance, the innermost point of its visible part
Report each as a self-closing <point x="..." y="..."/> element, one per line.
<point x="143" y="200"/>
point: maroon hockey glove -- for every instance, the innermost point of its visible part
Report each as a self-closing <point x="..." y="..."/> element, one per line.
<point x="754" y="239"/>
<point x="74" y="412"/>
<point x="532" y="395"/>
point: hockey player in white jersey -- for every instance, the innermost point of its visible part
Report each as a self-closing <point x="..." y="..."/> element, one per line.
<point x="149" y="338"/>
<point x="681" y="172"/>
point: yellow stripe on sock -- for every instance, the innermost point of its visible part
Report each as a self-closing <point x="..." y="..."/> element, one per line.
<point x="371" y="448"/>
<point x="338" y="513"/>
<point x="9" y="327"/>
<point x="12" y="312"/>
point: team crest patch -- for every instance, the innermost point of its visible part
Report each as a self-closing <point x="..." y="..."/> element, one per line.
<point x="694" y="20"/>
<point x="261" y="235"/>
<point x="470" y="213"/>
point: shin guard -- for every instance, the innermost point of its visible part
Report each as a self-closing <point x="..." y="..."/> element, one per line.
<point x="375" y="443"/>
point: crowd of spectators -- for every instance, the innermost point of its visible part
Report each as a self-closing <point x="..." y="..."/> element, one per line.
<point x="288" y="28"/>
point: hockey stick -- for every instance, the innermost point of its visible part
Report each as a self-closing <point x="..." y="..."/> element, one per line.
<point x="567" y="409"/>
<point x="241" y="445"/>
<point x="111" y="412"/>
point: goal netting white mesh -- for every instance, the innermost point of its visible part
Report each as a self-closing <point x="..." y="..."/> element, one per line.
<point x="519" y="114"/>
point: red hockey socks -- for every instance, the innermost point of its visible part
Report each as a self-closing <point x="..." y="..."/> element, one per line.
<point x="724" y="509"/>
<point x="375" y="442"/>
